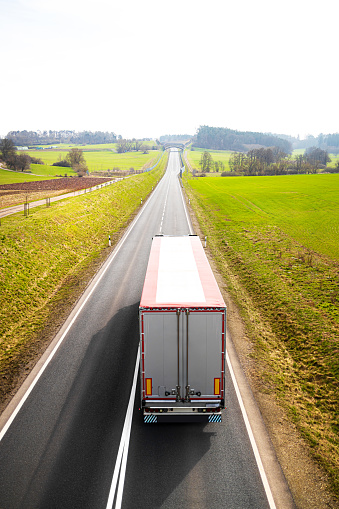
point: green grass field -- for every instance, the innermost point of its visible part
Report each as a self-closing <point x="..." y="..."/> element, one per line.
<point x="306" y="207"/>
<point x="99" y="158"/>
<point x="12" y="177"/>
<point x="276" y="243"/>
<point x="50" y="171"/>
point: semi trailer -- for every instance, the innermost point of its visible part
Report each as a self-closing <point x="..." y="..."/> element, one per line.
<point x="182" y="318"/>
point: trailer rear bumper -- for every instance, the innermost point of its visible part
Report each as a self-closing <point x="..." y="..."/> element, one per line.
<point x="160" y="418"/>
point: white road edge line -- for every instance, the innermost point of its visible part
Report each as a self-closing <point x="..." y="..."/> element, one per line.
<point x="251" y="437"/>
<point x="50" y="357"/>
<point x="121" y="461"/>
<point x="186" y="212"/>
<point x="164" y="209"/>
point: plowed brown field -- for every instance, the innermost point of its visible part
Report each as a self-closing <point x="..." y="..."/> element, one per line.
<point x="14" y="194"/>
<point x="60" y="184"/>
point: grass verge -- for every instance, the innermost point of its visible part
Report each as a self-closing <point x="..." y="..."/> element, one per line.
<point x="44" y="257"/>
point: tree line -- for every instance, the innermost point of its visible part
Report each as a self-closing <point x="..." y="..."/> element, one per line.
<point x="133" y="145"/>
<point x="274" y="161"/>
<point x="219" y="138"/>
<point x="13" y="160"/>
<point x="27" y="138"/>
<point x="329" y="142"/>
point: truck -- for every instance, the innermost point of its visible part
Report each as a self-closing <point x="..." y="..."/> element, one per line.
<point x="182" y="321"/>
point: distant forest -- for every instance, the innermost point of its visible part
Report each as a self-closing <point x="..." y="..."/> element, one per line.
<point x="329" y="142"/>
<point x="29" y="138"/>
<point x="217" y="138"/>
<point x="220" y="138"/>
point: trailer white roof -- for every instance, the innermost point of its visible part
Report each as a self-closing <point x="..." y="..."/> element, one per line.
<point x="179" y="275"/>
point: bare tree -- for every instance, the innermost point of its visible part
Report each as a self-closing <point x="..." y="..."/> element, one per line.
<point x="7" y="148"/>
<point x="76" y="159"/>
<point x="23" y="162"/>
<point x="206" y="162"/>
<point x="124" y="146"/>
<point x="137" y="145"/>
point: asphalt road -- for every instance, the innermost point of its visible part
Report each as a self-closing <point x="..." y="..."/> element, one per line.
<point x="60" y="450"/>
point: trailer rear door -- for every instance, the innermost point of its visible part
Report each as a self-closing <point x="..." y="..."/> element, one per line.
<point x="204" y="366"/>
<point x="159" y="353"/>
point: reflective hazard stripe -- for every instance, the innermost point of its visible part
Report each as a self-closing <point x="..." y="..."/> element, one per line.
<point x="214" y="418"/>
<point x="150" y="419"/>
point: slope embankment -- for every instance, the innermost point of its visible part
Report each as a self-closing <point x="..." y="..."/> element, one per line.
<point x="46" y="261"/>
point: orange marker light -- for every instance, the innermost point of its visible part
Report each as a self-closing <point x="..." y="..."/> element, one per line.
<point x="148" y="386"/>
<point x="217" y="386"/>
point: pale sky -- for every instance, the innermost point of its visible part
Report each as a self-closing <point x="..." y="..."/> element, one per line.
<point x="150" y="68"/>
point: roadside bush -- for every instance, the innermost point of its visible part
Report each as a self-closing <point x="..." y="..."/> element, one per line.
<point x="63" y="164"/>
<point x="331" y="170"/>
<point x="36" y="160"/>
